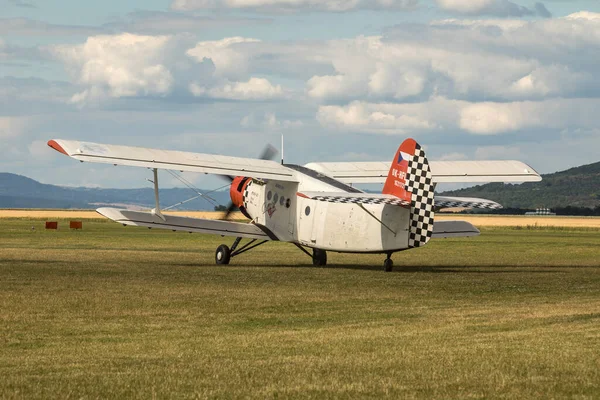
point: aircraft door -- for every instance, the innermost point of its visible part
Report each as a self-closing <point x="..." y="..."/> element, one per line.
<point x="306" y="211"/>
<point x="277" y="208"/>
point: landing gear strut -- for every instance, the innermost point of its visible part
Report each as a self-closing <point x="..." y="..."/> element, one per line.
<point x="224" y="254"/>
<point x="388" y="264"/>
<point x="319" y="258"/>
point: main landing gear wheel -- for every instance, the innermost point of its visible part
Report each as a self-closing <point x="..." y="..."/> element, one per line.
<point x="319" y="258"/>
<point x="388" y="265"/>
<point x="223" y="255"/>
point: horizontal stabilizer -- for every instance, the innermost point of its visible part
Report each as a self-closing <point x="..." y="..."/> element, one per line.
<point x="186" y="224"/>
<point x="465" y="202"/>
<point x="355" y="198"/>
<point x="448" y="229"/>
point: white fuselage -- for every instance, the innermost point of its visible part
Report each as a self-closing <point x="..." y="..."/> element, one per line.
<point x="368" y="228"/>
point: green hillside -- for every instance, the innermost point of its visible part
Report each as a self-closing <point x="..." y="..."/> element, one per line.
<point x="576" y="187"/>
<point x="18" y="191"/>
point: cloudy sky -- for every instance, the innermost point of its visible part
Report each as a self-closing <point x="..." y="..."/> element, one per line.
<point x="342" y="79"/>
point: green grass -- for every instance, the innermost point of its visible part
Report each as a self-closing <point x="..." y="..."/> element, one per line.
<point x="113" y="312"/>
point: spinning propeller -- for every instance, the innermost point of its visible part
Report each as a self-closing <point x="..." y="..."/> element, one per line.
<point x="268" y="153"/>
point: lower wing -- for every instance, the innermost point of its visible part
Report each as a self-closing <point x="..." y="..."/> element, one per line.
<point x="187" y="224"/>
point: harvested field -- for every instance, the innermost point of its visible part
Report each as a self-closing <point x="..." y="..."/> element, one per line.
<point x="477" y="220"/>
<point x="91" y="214"/>
<point x="522" y="220"/>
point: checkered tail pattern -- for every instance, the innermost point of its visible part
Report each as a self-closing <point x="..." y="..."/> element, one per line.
<point x="419" y="182"/>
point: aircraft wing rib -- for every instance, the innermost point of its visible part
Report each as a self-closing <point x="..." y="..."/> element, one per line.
<point x="442" y="171"/>
<point x="186" y="224"/>
<point x="173" y="160"/>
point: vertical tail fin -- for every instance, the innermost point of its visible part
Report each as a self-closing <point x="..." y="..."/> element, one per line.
<point x="410" y="179"/>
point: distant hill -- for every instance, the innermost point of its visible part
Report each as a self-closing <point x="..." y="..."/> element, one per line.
<point x="18" y="191"/>
<point x="577" y="187"/>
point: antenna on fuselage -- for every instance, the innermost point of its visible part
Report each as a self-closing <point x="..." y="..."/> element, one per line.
<point x="282" y="149"/>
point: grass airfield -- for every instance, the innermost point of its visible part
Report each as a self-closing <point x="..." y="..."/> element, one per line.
<point x="117" y="312"/>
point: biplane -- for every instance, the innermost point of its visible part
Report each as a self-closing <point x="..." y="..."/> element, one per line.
<point x="315" y="206"/>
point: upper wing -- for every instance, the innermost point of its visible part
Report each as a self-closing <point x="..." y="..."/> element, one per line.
<point x="187" y="224"/>
<point x="175" y="160"/>
<point x="442" y="171"/>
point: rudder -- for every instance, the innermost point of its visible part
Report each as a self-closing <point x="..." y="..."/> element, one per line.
<point x="410" y="179"/>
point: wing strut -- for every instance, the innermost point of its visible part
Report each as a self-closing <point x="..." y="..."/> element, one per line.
<point x="156" y="209"/>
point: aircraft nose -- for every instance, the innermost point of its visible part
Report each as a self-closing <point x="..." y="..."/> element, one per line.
<point x="236" y="191"/>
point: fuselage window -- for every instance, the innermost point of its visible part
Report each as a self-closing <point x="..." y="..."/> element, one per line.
<point x="269" y="195"/>
<point x="307" y="211"/>
<point x="281" y="200"/>
<point x="275" y="198"/>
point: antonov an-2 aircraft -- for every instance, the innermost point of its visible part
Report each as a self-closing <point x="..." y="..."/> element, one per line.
<point x="314" y="206"/>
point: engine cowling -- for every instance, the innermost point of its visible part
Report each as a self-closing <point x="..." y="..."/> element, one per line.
<point x="236" y="193"/>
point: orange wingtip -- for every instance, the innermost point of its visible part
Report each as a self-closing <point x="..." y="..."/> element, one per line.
<point x="302" y="195"/>
<point x="57" y="147"/>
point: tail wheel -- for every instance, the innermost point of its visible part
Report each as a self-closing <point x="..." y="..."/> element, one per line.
<point x="388" y="265"/>
<point x="319" y="258"/>
<point x="222" y="255"/>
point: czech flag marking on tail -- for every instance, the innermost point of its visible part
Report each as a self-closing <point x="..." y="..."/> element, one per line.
<point x="396" y="180"/>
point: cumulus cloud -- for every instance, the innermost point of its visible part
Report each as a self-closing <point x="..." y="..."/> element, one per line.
<point x="584" y="15"/>
<point x="295" y="5"/>
<point x="483" y="77"/>
<point x="130" y="65"/>
<point x="253" y="89"/>
<point x="394" y="119"/>
<point x="440" y="115"/>
<point x="118" y="66"/>
<point x="557" y="114"/>
<point x="225" y="54"/>
<point x="270" y="121"/>
<point x="498" y="60"/>
<point x="497" y="8"/>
